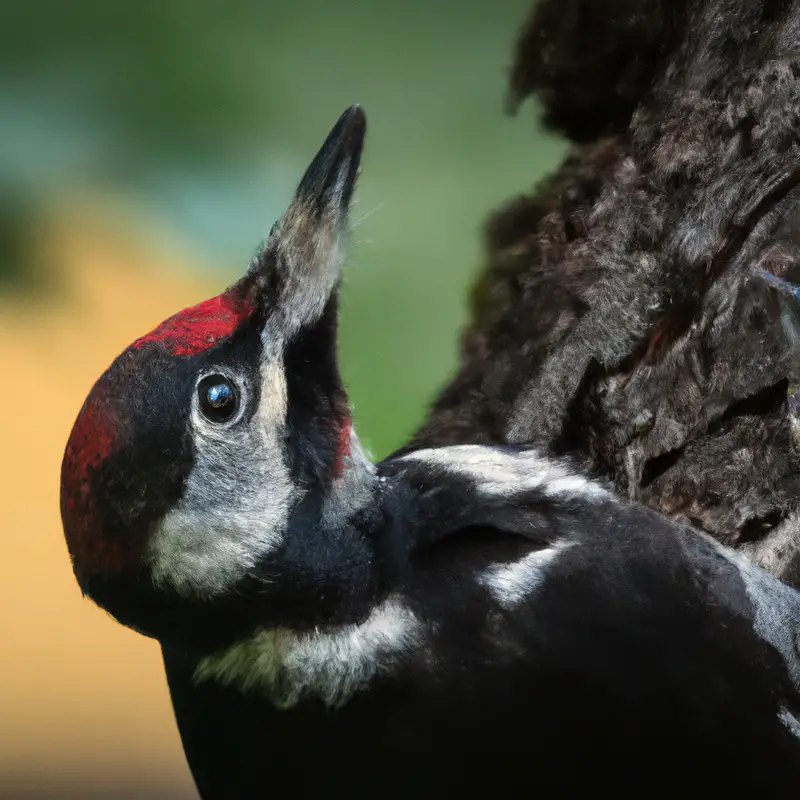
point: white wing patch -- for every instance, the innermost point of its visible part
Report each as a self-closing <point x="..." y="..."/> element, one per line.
<point x="331" y="664"/>
<point x="510" y="584"/>
<point x="501" y="473"/>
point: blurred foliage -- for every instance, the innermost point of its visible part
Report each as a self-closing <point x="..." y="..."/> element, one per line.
<point x="148" y="81"/>
<point x="201" y="115"/>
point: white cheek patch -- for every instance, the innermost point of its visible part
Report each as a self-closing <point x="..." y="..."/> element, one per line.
<point x="331" y="664"/>
<point x="511" y="584"/>
<point x="235" y="504"/>
<point x="499" y="473"/>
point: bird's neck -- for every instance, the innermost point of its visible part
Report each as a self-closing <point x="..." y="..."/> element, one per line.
<point x="345" y="547"/>
<point x="340" y="621"/>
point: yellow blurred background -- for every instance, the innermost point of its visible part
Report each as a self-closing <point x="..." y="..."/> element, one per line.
<point x="145" y="150"/>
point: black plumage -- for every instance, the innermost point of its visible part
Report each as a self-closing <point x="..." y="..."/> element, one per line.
<point x="634" y="667"/>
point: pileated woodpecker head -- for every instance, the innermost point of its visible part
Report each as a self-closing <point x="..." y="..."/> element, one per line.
<point x="209" y="457"/>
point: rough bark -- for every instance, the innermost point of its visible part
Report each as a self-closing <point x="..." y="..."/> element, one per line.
<point x="619" y="318"/>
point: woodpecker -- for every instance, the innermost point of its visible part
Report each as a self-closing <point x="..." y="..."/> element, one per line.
<point x="465" y="617"/>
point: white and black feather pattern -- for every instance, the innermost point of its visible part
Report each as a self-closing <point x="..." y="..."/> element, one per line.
<point x="539" y="624"/>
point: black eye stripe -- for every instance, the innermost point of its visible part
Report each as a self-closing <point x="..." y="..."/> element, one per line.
<point x="218" y="398"/>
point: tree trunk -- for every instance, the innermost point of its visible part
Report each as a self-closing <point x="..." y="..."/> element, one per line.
<point x="619" y="320"/>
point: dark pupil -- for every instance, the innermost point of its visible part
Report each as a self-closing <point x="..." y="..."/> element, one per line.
<point x="217" y="398"/>
<point x="219" y="395"/>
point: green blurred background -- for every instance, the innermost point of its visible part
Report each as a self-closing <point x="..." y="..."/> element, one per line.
<point x="164" y="138"/>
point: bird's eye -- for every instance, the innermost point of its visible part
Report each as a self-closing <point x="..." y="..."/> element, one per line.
<point x="218" y="398"/>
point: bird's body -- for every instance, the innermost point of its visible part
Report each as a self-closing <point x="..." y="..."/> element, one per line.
<point x="604" y="647"/>
<point x="449" y="618"/>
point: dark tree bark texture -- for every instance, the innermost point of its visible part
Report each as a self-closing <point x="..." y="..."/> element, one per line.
<point x="619" y="320"/>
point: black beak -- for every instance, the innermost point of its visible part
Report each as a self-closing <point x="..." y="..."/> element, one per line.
<point x="327" y="186"/>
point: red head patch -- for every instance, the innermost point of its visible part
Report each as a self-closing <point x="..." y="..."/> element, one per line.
<point x="198" y="328"/>
<point x="93" y="439"/>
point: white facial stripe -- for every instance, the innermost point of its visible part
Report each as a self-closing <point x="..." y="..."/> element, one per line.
<point x="236" y="501"/>
<point x="511" y="584"/>
<point x="331" y="664"/>
<point x="274" y="401"/>
<point x="503" y="473"/>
